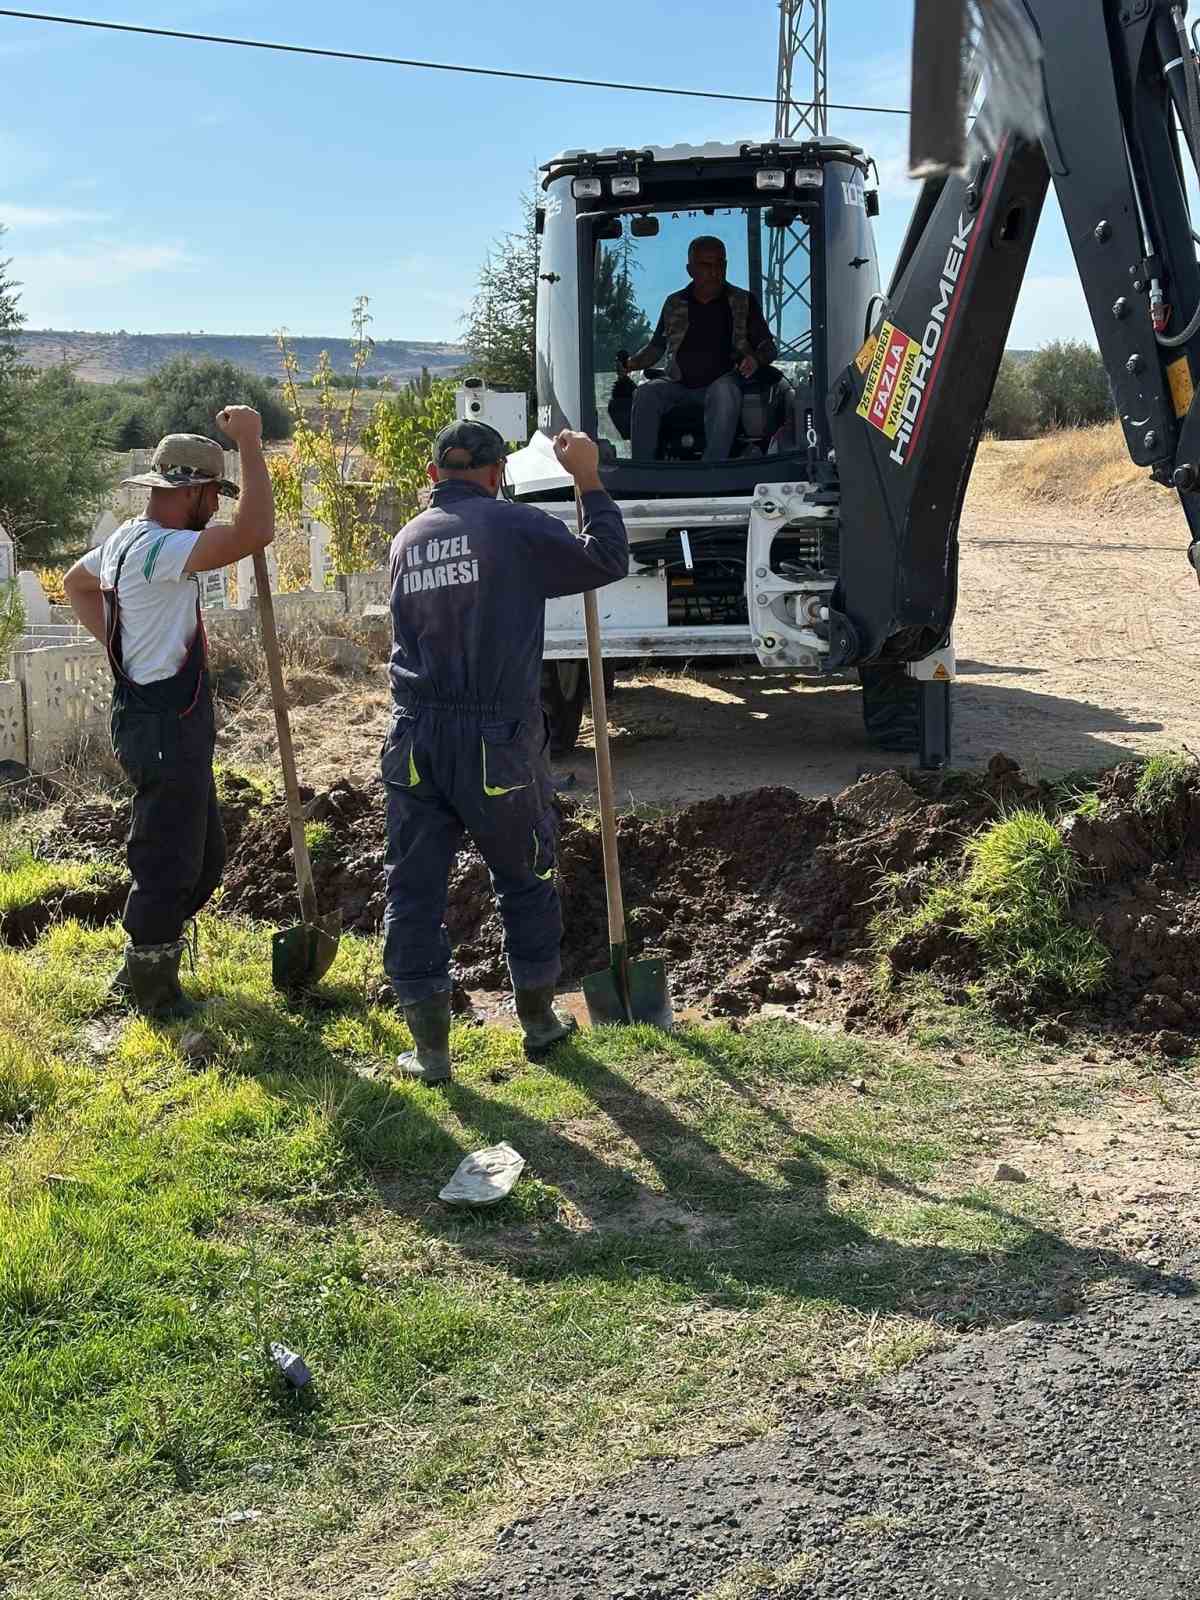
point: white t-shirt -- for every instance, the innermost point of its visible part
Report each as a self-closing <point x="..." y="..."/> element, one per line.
<point x="157" y="597"/>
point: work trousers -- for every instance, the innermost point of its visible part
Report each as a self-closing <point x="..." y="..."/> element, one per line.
<point x="466" y="772"/>
<point x="176" y="843"/>
<point x="722" y="403"/>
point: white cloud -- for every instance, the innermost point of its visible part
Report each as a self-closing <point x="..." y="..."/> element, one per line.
<point x="52" y="280"/>
<point x="13" y="215"/>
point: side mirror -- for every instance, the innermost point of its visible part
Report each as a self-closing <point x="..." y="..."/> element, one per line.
<point x="644" y="227"/>
<point x="608" y="229"/>
<point x="872" y="199"/>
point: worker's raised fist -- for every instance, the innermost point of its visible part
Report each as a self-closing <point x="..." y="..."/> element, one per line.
<point x="242" y="424"/>
<point x="577" y="453"/>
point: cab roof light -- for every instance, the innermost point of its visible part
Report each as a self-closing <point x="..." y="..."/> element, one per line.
<point x="586" y="188"/>
<point x="810" y="178"/>
<point x="770" y="178"/>
<point x="626" y="185"/>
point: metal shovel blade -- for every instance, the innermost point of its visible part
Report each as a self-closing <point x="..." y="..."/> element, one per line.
<point x="629" y="991"/>
<point x="302" y="955"/>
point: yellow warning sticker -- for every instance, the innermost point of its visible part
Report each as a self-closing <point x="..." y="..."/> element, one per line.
<point x="1179" y="376"/>
<point x="888" y="381"/>
<point x="941" y="673"/>
<point x="866" y="355"/>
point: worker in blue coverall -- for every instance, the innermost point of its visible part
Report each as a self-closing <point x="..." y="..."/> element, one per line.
<point x="466" y="753"/>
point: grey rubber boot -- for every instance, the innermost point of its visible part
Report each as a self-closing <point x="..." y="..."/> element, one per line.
<point x="543" y="1026"/>
<point x="429" y="1023"/>
<point x="152" y="971"/>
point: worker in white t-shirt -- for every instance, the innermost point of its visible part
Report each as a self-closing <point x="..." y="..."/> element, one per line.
<point x="138" y="593"/>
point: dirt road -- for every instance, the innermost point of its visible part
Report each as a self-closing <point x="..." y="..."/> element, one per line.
<point x="1077" y="642"/>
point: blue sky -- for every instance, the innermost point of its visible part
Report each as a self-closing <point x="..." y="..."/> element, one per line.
<point x="162" y="186"/>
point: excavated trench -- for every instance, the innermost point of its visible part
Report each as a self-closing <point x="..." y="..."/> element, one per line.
<point x="763" y="897"/>
<point x="25" y="924"/>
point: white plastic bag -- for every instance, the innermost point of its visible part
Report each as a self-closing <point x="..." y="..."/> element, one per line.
<point x="485" y="1177"/>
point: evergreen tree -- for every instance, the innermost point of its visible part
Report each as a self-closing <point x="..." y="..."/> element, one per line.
<point x="500" y="333"/>
<point x="620" y="323"/>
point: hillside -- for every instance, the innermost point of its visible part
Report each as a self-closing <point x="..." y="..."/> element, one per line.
<point x="111" y="357"/>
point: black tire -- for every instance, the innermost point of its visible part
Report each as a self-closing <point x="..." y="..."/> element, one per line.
<point x="891" y="707"/>
<point x="564" y="696"/>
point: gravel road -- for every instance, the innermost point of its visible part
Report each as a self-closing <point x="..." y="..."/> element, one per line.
<point x="1058" y="1459"/>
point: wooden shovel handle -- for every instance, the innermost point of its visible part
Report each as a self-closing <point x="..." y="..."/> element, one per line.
<point x="283" y="729"/>
<point x="604" y="777"/>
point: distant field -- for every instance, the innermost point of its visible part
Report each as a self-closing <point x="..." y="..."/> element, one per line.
<point x="113" y="357"/>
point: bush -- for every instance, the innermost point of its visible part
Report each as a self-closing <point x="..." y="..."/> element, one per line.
<point x="1070" y="386"/>
<point x="54" y="468"/>
<point x="1013" y="411"/>
<point x="400" y="435"/>
<point x="12" y="621"/>
<point x="184" y="396"/>
<point x="1013" y="906"/>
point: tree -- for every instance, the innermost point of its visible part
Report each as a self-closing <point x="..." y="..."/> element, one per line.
<point x="320" y="459"/>
<point x="184" y="396"/>
<point x="1070" y="385"/>
<point x="56" y="471"/>
<point x="400" y="437"/>
<point x="620" y="323"/>
<point x="1013" y="411"/>
<point x="500" y="328"/>
<point x="53" y="469"/>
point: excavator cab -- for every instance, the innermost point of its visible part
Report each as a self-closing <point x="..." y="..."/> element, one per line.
<point x="733" y="501"/>
<point x="615" y="231"/>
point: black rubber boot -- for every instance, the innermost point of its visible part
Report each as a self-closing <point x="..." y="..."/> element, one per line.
<point x="152" y="971"/>
<point x="429" y="1023"/>
<point x="543" y="1026"/>
<point x="119" y="991"/>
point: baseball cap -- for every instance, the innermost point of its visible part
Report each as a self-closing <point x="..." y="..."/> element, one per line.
<point x="183" y="460"/>
<point x="481" y="445"/>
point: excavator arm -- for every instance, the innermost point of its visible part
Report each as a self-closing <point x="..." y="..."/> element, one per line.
<point x="1121" y="96"/>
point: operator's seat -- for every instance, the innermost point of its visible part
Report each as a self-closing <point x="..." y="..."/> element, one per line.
<point x="681" y="434"/>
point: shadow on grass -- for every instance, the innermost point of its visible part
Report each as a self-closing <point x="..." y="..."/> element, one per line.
<point x="690" y="1216"/>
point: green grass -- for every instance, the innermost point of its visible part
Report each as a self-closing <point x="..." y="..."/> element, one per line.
<point x="320" y="839"/>
<point x="711" y="1224"/>
<point x="1161" y="780"/>
<point x="1011" y="903"/>
<point x="24" y="880"/>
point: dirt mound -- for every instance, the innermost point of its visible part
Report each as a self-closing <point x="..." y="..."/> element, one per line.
<point x="738" y="894"/>
<point x="762" y="896"/>
<point x="260" y="879"/>
<point x="1144" y="898"/>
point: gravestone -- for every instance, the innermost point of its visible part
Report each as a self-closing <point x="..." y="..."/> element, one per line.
<point x="318" y="554"/>
<point x="104" y="525"/>
<point x="33" y="596"/>
<point x="245" y="578"/>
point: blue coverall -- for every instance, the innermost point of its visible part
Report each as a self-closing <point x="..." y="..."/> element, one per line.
<point x="467" y="750"/>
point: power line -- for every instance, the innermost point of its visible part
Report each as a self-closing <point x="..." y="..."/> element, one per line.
<point x="427" y="66"/>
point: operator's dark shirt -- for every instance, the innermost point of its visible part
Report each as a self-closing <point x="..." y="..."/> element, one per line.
<point x="470" y="577"/>
<point x="706" y="353"/>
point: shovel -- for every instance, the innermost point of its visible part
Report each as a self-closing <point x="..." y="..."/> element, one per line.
<point x="304" y="954"/>
<point x="626" y="991"/>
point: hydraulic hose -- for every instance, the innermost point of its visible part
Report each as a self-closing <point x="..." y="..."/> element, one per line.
<point x="1172" y="341"/>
